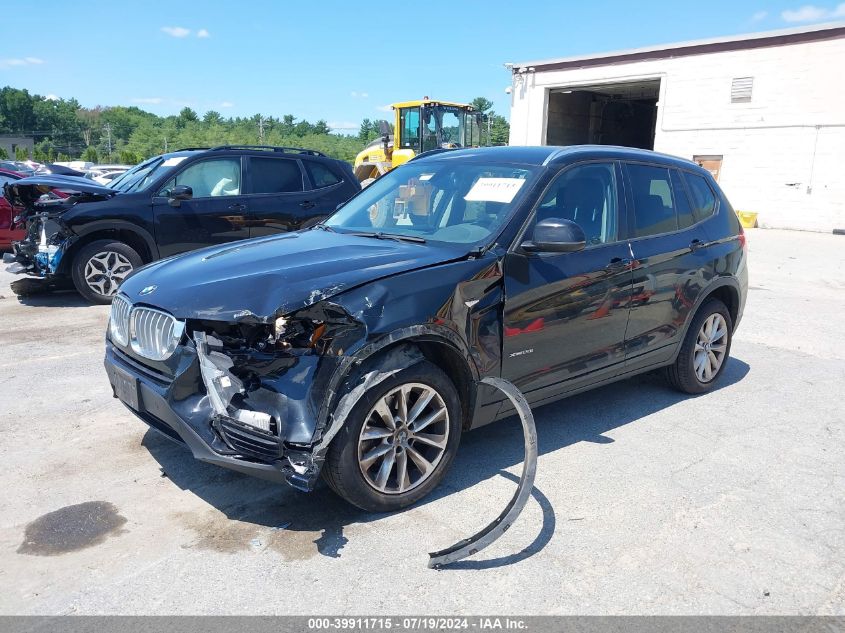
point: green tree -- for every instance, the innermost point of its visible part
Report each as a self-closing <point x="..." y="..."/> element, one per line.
<point x="500" y="130"/>
<point x="62" y="158"/>
<point x="212" y="118"/>
<point x="495" y="128"/>
<point x="90" y="155"/>
<point x="16" y="109"/>
<point x="127" y="157"/>
<point x="482" y="104"/>
<point x="21" y="153"/>
<point x="4" y="155"/>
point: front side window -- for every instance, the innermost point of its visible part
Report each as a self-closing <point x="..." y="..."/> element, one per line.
<point x="275" y="175"/>
<point x="654" y="206"/>
<point x="703" y="198"/>
<point x="586" y="195"/>
<point x="440" y="201"/>
<point x="209" y="178"/>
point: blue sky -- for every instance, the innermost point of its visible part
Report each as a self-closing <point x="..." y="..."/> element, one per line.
<point x="339" y="61"/>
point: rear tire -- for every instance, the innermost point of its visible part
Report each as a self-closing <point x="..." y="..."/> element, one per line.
<point x="705" y="350"/>
<point x="414" y="453"/>
<point x="99" y="268"/>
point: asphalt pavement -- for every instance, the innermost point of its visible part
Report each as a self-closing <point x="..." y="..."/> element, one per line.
<point x="646" y="501"/>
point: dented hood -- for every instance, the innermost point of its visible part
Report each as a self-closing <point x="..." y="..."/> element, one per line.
<point x="262" y="278"/>
<point x="26" y="191"/>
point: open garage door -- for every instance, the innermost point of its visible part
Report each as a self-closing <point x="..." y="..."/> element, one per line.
<point x="606" y="114"/>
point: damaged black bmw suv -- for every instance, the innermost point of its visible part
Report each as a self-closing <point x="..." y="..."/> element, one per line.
<point x="355" y="349"/>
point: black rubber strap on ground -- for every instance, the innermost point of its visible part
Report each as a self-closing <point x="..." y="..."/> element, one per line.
<point x="485" y="537"/>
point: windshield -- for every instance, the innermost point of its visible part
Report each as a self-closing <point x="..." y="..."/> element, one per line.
<point x="142" y="175"/>
<point x="443" y="201"/>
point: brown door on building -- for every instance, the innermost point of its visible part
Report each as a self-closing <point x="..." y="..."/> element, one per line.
<point x="713" y="164"/>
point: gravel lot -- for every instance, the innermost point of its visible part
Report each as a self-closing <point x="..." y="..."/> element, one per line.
<point x="646" y="502"/>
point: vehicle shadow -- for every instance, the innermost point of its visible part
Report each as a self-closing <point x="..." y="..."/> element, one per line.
<point x="484" y="453"/>
<point x="36" y="293"/>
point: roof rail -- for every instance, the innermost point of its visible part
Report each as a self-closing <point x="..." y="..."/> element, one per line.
<point x="291" y="150"/>
<point x="188" y="149"/>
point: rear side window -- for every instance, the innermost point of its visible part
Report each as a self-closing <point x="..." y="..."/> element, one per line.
<point x="275" y="175"/>
<point x="703" y="198"/>
<point x="682" y="204"/>
<point x="654" y="200"/>
<point x="321" y="175"/>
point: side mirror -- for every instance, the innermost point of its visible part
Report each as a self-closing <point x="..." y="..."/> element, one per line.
<point x="179" y="193"/>
<point x="554" y="235"/>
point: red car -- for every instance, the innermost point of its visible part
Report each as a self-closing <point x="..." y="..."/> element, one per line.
<point x="8" y="232"/>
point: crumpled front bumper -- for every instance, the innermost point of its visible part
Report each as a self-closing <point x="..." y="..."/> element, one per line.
<point x="179" y="407"/>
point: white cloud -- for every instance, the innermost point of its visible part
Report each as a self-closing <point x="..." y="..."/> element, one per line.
<point x="148" y="100"/>
<point x="343" y="125"/>
<point x="812" y="13"/>
<point x="176" y="31"/>
<point x="20" y="61"/>
<point x="227" y="104"/>
<point x="355" y="94"/>
<point x="203" y="33"/>
<point x="385" y="108"/>
<point x="52" y="97"/>
<point x="760" y="15"/>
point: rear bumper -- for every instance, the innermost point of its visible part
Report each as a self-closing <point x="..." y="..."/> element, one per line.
<point x="191" y="421"/>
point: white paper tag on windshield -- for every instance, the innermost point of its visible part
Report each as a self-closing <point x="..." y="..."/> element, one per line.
<point x="494" y="190"/>
<point x="173" y="161"/>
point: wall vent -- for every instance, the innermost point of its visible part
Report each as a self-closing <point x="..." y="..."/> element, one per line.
<point x="741" y="89"/>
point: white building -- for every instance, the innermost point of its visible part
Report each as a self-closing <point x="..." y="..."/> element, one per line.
<point x="764" y="112"/>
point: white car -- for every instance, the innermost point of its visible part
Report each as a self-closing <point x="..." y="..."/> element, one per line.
<point x="105" y="177"/>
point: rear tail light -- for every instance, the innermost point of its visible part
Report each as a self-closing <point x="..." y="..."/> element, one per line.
<point x="742" y="241"/>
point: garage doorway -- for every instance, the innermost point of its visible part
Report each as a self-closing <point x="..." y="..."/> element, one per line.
<point x="607" y="114"/>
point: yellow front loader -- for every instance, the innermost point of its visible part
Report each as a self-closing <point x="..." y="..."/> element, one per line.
<point x="418" y="126"/>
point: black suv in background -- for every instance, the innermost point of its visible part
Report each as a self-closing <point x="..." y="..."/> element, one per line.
<point x="356" y="348"/>
<point x="96" y="235"/>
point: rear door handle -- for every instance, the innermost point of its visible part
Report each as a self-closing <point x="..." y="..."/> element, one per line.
<point x="307" y="204"/>
<point x="618" y="263"/>
<point x="238" y="206"/>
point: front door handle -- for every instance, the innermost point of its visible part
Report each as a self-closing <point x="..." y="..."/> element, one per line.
<point x="238" y="206"/>
<point x="695" y="245"/>
<point x="618" y="263"/>
<point x="307" y="204"/>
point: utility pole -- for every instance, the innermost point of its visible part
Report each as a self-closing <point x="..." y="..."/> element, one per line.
<point x="489" y="140"/>
<point x="165" y="144"/>
<point x="107" y="130"/>
<point x="261" y="121"/>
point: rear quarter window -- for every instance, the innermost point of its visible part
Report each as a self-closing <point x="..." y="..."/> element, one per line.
<point x="703" y="198"/>
<point x="321" y="175"/>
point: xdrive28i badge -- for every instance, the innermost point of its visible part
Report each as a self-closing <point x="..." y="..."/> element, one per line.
<point x="147" y="290"/>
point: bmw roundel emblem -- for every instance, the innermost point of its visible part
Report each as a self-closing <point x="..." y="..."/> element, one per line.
<point x="148" y="290"/>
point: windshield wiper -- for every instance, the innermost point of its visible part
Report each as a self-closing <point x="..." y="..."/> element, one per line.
<point x="324" y="227"/>
<point x="399" y="237"/>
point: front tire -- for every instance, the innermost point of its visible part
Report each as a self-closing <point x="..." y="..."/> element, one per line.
<point x="99" y="268"/>
<point x="705" y="350"/>
<point x="399" y="440"/>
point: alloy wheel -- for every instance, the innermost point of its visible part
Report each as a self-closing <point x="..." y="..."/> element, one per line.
<point x="711" y="346"/>
<point x="403" y="438"/>
<point x="105" y="271"/>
